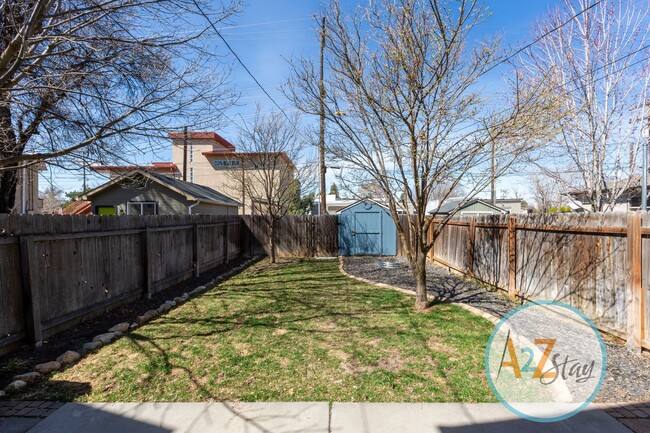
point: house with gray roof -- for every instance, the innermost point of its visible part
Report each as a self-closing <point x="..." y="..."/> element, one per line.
<point x="148" y="193"/>
<point x="461" y="206"/>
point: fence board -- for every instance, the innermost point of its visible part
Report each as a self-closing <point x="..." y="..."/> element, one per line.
<point x="297" y="236"/>
<point x="12" y="316"/>
<point x="78" y="265"/>
<point x="579" y="259"/>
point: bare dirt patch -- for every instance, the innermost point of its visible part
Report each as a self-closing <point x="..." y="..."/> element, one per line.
<point x="393" y="363"/>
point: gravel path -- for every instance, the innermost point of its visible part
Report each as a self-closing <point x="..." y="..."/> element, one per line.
<point x="447" y="287"/>
<point x="628" y="375"/>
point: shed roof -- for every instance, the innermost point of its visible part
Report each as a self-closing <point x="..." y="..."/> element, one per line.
<point x="360" y="201"/>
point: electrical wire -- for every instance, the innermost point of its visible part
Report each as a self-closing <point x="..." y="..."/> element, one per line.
<point x="239" y="60"/>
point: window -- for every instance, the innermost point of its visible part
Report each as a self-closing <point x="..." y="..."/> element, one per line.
<point x="105" y="210"/>
<point x="191" y="175"/>
<point x="142" y="208"/>
<point x="191" y="152"/>
<point x="226" y="163"/>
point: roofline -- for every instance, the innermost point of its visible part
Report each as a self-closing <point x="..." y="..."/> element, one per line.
<point x="198" y="135"/>
<point x="361" y="200"/>
<point x="504" y="200"/>
<point x="154" y="167"/>
<point x="469" y="203"/>
<point x="189" y="197"/>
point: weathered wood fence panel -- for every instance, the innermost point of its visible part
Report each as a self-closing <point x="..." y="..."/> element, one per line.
<point x="12" y="314"/>
<point x="296" y="236"/>
<point x="56" y="271"/>
<point x="584" y="260"/>
<point x="645" y="277"/>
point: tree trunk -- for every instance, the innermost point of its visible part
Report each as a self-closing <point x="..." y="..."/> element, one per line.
<point x="8" y="148"/>
<point x="8" y="182"/>
<point x="420" y="277"/>
<point x="272" y="241"/>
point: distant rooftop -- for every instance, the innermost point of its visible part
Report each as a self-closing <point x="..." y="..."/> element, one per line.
<point x="202" y="136"/>
<point x="155" y="167"/>
<point x="191" y="191"/>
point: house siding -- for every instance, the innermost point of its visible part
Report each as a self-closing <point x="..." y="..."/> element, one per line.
<point x="169" y="202"/>
<point x="212" y="209"/>
<point x="204" y="172"/>
<point x="33" y="204"/>
<point x="478" y="208"/>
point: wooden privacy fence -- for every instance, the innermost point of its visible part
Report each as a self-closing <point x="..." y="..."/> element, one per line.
<point x="56" y="271"/>
<point x="297" y="236"/>
<point x="598" y="263"/>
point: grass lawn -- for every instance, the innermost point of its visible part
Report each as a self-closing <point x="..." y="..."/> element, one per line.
<point x="296" y="331"/>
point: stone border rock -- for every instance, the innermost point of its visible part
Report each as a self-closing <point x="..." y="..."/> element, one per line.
<point x="70" y="357"/>
<point x="484" y="314"/>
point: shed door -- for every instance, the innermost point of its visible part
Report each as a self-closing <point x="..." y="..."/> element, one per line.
<point x="367" y="233"/>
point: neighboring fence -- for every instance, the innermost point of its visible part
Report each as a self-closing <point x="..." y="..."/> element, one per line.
<point x="297" y="236"/>
<point x="56" y="271"/>
<point x="594" y="262"/>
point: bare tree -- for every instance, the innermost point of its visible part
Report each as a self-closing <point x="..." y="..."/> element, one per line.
<point x="404" y="110"/>
<point x="546" y="192"/>
<point x="52" y="199"/>
<point x="601" y="74"/>
<point x="102" y="79"/>
<point x="370" y="189"/>
<point x="442" y="191"/>
<point x="270" y="177"/>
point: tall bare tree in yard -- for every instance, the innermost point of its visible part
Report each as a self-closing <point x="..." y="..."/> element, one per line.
<point x="102" y="79"/>
<point x="270" y="177"/>
<point x="600" y="66"/>
<point x="547" y="192"/>
<point x="404" y="110"/>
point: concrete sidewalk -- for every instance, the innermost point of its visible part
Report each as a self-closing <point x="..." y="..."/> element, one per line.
<point x="303" y="417"/>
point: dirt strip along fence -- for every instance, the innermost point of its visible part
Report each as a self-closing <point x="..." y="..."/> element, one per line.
<point x="296" y="236"/>
<point x="598" y="263"/>
<point x="57" y="271"/>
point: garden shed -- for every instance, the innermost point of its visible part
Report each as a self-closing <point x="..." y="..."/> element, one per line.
<point x="366" y="228"/>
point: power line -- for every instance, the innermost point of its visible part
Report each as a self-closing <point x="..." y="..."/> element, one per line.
<point x="266" y="23"/>
<point x="239" y="59"/>
<point x="180" y="77"/>
<point x="556" y="28"/>
<point x="566" y="92"/>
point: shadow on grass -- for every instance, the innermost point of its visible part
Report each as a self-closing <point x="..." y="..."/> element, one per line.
<point x="312" y="299"/>
<point x="289" y="299"/>
<point x="444" y="285"/>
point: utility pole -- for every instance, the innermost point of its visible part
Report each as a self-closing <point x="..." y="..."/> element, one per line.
<point x="321" y="138"/>
<point x="493" y="192"/>
<point x="185" y="154"/>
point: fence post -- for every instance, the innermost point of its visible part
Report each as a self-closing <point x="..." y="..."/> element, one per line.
<point x="512" y="258"/>
<point x="30" y="293"/>
<point x="226" y="242"/>
<point x="195" y="249"/>
<point x="634" y="310"/>
<point x="146" y="262"/>
<point x="470" y="247"/>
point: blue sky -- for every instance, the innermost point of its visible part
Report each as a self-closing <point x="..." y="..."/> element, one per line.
<point x="267" y="32"/>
